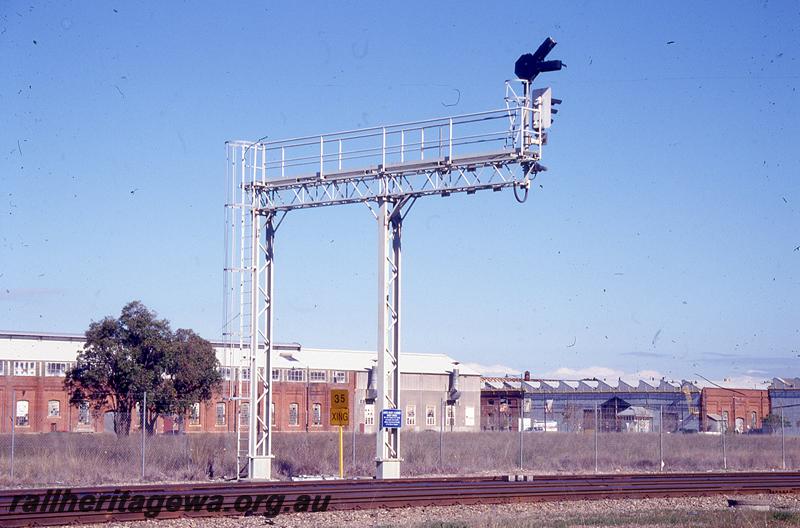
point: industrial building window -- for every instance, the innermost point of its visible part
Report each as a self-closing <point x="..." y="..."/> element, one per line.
<point x="56" y="369"/>
<point x="226" y="372"/>
<point x="318" y="376"/>
<point x="83" y="414"/>
<point x="221" y="413"/>
<point x="294" y="414"/>
<point x="24" y="368"/>
<point x="245" y="373"/>
<point x="276" y="374"/>
<point x="296" y="375"/>
<point x="739" y="425"/>
<point x="369" y="414"/>
<point x="503" y="405"/>
<point x="340" y="376"/>
<point x="2" y="368"/>
<point x="430" y="415"/>
<point x="451" y="415"/>
<point x="194" y="414"/>
<point x="469" y="416"/>
<point x="54" y="408"/>
<point x="244" y="413"/>
<point x="411" y="415"/>
<point x="753" y="420"/>
<point x="272" y="412"/>
<point x="23" y="416"/>
<point x="316" y="413"/>
<point x="724" y="421"/>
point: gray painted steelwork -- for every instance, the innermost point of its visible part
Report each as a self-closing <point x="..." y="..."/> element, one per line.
<point x="386" y="168"/>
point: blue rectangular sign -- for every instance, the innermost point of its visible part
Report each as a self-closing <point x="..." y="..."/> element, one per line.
<point x="391" y="418"/>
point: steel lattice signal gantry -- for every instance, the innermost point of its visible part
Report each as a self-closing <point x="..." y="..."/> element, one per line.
<point x="387" y="168"/>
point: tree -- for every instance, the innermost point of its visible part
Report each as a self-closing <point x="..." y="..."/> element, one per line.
<point x="136" y="353"/>
<point x="191" y="375"/>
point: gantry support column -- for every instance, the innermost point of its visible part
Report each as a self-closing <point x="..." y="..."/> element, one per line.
<point x="388" y="369"/>
<point x="261" y="316"/>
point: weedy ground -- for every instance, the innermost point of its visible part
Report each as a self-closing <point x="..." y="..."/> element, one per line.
<point x="93" y="459"/>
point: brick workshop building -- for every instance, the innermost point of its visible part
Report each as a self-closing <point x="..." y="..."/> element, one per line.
<point x="33" y="367"/>
<point x="734" y="409"/>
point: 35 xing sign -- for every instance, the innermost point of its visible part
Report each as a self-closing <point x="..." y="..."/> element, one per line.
<point x="340" y="407"/>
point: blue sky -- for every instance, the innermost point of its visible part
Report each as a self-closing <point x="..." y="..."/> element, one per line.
<point x="663" y="237"/>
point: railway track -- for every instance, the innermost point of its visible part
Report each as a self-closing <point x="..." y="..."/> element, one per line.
<point x="17" y="506"/>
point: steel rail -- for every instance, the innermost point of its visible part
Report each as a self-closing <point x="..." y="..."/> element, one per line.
<point x="370" y="494"/>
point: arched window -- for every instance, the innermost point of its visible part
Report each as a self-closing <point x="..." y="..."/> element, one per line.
<point x="753" y="420"/>
<point x="23" y="413"/>
<point x="739" y="425"/>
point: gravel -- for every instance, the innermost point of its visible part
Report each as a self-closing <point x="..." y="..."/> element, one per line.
<point x="569" y="513"/>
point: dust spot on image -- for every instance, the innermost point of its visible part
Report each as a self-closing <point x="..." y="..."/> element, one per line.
<point x="360" y="48"/>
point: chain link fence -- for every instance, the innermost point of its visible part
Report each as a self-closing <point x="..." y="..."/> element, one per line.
<point x="636" y="441"/>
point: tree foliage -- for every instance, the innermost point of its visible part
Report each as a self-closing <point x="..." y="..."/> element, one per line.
<point x="137" y="353"/>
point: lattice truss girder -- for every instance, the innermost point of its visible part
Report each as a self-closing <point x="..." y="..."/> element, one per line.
<point x="390" y="221"/>
<point x="445" y="178"/>
<point x="260" y="420"/>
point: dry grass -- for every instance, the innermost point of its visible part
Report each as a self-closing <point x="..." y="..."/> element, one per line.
<point x="81" y="459"/>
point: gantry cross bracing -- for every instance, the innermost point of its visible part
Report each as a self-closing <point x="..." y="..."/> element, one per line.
<point x="387" y="168"/>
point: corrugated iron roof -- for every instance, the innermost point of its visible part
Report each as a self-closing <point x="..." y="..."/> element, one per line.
<point x="65" y="347"/>
<point x="410" y="363"/>
<point x="586" y="385"/>
<point x="785" y="383"/>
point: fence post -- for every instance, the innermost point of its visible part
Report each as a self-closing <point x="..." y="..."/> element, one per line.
<point x="354" y="447"/>
<point x="724" y="453"/>
<point x="187" y="448"/>
<point x="596" y="429"/>
<point x="661" y="438"/>
<point x="441" y="440"/>
<point x="783" y="442"/>
<point x="521" y="427"/>
<point x="13" y="429"/>
<point x="143" y="421"/>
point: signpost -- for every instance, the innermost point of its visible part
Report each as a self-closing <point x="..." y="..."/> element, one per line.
<point x="340" y="415"/>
